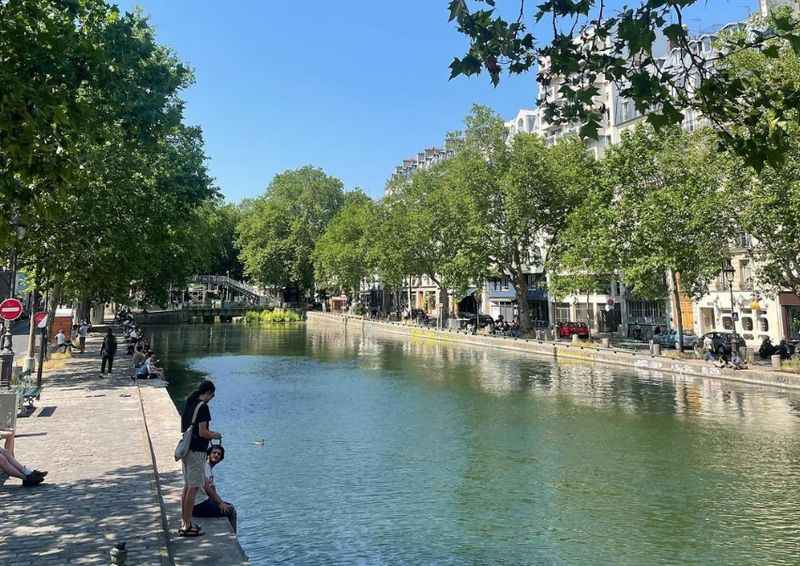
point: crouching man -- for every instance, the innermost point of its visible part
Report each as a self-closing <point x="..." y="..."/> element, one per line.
<point x="208" y="503"/>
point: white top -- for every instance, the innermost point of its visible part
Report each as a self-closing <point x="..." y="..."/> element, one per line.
<point x="201" y="493"/>
<point x="60" y="338"/>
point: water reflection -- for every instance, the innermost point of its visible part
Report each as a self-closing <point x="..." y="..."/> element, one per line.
<point x="383" y="450"/>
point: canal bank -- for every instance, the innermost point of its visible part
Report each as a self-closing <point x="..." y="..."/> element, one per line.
<point x="107" y="444"/>
<point x="560" y="351"/>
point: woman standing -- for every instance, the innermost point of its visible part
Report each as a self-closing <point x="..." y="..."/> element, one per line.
<point x="196" y="415"/>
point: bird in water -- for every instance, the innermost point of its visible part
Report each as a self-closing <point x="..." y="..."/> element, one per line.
<point x="259" y="442"/>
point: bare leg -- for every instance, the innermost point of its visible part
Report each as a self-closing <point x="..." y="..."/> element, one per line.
<point x="10" y="443"/>
<point x="187" y="505"/>
<point x="10" y="466"/>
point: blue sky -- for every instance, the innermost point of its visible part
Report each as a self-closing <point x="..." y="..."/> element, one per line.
<point x="353" y="87"/>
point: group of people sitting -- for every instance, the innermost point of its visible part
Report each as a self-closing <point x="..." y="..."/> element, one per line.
<point x="502" y="328"/>
<point x="722" y="354"/>
<point x="768" y="349"/>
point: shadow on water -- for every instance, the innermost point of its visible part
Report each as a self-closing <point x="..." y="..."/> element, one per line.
<point x="413" y="451"/>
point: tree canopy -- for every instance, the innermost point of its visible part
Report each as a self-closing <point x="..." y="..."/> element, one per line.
<point x="591" y="42"/>
<point x="279" y="230"/>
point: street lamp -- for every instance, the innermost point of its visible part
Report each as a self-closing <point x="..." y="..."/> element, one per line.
<point x="728" y="273"/>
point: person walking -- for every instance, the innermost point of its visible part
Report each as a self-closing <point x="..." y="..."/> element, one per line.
<point x="107" y="351"/>
<point x="197" y="416"/>
<point x="61" y="341"/>
<point x="83" y="330"/>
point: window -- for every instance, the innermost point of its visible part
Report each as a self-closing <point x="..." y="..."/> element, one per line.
<point x="747" y="323"/>
<point x="562" y="312"/>
<point x="727" y="322"/>
<point x="745" y="275"/>
<point x="763" y="324"/>
<point x="583" y="313"/>
<point x="646" y="312"/>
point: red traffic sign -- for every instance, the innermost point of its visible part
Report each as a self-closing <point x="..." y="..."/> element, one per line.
<point x="40" y="319"/>
<point x="10" y="309"/>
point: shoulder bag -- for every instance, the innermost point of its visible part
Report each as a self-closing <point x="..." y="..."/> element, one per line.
<point x="182" y="449"/>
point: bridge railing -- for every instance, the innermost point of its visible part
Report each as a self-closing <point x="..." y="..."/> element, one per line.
<point x="224" y="280"/>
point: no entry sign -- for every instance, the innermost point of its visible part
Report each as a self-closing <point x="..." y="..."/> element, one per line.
<point x="10" y="309"/>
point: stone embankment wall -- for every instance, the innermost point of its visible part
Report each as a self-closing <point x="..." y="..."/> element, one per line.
<point x="559" y="350"/>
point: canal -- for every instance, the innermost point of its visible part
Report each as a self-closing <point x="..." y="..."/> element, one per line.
<point x="385" y="451"/>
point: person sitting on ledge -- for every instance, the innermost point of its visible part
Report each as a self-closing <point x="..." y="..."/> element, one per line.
<point x="153" y="370"/>
<point x="14" y="469"/>
<point x="208" y="503"/>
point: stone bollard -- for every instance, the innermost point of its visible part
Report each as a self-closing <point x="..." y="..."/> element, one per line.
<point x="575" y="339"/>
<point x="776" y="361"/>
<point x="119" y="555"/>
<point x="655" y="349"/>
<point x="604" y="342"/>
<point x="749" y="355"/>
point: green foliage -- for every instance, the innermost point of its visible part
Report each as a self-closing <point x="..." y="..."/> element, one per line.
<point x="279" y="230"/>
<point x="271" y="317"/>
<point x="591" y="43"/>
<point x="655" y="209"/>
<point x="94" y="158"/>
<point x="767" y="207"/>
<point x="342" y="254"/>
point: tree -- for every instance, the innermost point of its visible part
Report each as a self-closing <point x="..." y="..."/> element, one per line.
<point x="84" y="76"/>
<point x="669" y="214"/>
<point x="422" y="232"/>
<point x="342" y="255"/>
<point x="586" y="253"/>
<point x="279" y="230"/>
<point x="589" y="42"/>
<point x="94" y="156"/>
<point x="767" y="202"/>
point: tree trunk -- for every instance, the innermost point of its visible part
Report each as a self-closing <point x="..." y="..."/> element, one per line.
<point x="521" y="290"/>
<point x="32" y="332"/>
<point x="676" y="298"/>
<point x="588" y="311"/>
<point x="54" y="300"/>
<point x="443" y="304"/>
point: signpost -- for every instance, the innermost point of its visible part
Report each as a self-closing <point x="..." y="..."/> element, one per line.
<point x="11" y="309"/>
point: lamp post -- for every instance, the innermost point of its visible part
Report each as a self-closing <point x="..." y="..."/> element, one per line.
<point x="728" y="273"/>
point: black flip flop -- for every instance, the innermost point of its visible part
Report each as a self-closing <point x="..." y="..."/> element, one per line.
<point x="188" y="533"/>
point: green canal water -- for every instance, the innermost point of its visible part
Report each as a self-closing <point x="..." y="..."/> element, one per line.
<point x="384" y="451"/>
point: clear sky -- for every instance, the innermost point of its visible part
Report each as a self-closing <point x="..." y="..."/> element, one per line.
<point x="353" y="87"/>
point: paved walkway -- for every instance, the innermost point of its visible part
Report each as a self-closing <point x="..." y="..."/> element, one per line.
<point x="90" y="434"/>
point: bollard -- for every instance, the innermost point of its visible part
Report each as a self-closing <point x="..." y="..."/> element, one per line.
<point x="749" y="355"/>
<point x="776" y="361"/>
<point x="656" y="349"/>
<point x="604" y="342"/>
<point x="119" y="555"/>
<point x="575" y="338"/>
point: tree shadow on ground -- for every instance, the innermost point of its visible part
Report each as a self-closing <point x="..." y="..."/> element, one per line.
<point x="79" y="522"/>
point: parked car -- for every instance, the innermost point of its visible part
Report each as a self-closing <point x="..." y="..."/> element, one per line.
<point x="484" y="320"/>
<point x="567" y="329"/>
<point x="669" y="339"/>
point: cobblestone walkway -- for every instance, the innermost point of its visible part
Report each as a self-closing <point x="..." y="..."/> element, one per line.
<point x="89" y="433"/>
